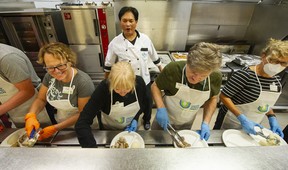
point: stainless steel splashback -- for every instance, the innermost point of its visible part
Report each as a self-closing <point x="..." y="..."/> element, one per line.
<point x="219" y="22"/>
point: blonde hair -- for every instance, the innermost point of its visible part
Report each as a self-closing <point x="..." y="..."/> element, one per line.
<point x="204" y="57"/>
<point x="58" y="50"/>
<point x="276" y="48"/>
<point x="122" y="76"/>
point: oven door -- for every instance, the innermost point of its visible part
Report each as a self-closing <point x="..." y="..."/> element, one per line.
<point x="81" y="26"/>
<point x="3" y="36"/>
<point x="24" y="33"/>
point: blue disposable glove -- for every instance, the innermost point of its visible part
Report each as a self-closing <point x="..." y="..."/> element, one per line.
<point x="132" y="127"/>
<point x="204" y="132"/>
<point x="248" y="125"/>
<point x="162" y="118"/>
<point x="274" y="126"/>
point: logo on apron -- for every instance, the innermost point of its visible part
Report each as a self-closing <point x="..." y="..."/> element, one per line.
<point x="263" y="109"/>
<point x="120" y="120"/>
<point x="184" y="104"/>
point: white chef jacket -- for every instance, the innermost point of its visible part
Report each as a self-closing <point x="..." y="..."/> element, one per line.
<point x="120" y="49"/>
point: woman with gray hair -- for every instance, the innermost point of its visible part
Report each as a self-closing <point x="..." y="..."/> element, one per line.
<point x="187" y="86"/>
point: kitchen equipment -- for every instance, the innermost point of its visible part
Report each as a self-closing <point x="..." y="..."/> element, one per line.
<point x="179" y="56"/>
<point x="89" y="29"/>
<point x="247" y="59"/>
<point x="193" y="138"/>
<point x="179" y="140"/>
<point x="29" y="29"/>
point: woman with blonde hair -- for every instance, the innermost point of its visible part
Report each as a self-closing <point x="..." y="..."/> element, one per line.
<point x="64" y="87"/>
<point x="118" y="101"/>
<point x="251" y="92"/>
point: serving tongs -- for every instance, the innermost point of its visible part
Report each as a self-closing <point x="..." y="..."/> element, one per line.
<point x="268" y="138"/>
<point x="175" y="136"/>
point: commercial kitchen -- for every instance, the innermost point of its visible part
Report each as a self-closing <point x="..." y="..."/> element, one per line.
<point x="242" y="26"/>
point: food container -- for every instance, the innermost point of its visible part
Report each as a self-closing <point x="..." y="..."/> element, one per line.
<point x="19" y="139"/>
<point x="179" y="56"/>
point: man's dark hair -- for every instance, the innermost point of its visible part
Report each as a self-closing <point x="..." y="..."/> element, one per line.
<point x="128" y="9"/>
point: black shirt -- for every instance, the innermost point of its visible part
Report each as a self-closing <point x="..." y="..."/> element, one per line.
<point x="100" y="101"/>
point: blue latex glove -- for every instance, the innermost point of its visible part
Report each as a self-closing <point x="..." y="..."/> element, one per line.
<point x="248" y="125"/>
<point x="274" y="126"/>
<point x="162" y="117"/>
<point x="132" y="127"/>
<point x="204" y="132"/>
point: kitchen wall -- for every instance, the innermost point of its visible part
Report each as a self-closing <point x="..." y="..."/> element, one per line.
<point x="176" y="25"/>
<point x="267" y="21"/>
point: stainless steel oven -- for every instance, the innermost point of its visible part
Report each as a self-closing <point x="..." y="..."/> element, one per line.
<point x="89" y="30"/>
<point x="30" y="29"/>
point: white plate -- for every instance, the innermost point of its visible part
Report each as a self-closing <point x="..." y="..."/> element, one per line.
<point x="235" y="138"/>
<point x="131" y="137"/>
<point x="192" y="138"/>
<point x="12" y="138"/>
<point x="266" y="133"/>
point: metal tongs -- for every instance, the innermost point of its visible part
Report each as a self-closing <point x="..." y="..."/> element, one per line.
<point x="175" y="136"/>
<point x="268" y="138"/>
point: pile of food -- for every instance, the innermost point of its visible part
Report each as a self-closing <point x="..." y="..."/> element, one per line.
<point x="121" y="143"/>
<point x="24" y="141"/>
<point x="183" y="143"/>
<point x="272" y="140"/>
<point x="180" y="55"/>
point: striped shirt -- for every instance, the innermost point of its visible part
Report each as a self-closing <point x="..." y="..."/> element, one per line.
<point x="243" y="87"/>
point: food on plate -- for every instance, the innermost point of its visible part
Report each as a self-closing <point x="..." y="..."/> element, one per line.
<point x="183" y="143"/>
<point x="180" y="56"/>
<point x="24" y="141"/>
<point x="272" y="140"/>
<point x="121" y="143"/>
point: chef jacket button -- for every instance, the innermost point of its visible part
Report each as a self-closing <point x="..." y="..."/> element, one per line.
<point x="138" y="69"/>
<point x="137" y="58"/>
<point x="129" y="61"/>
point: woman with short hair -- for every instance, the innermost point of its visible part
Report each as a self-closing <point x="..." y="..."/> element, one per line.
<point x="65" y="87"/>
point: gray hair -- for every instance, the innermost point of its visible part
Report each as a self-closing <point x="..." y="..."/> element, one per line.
<point x="204" y="57"/>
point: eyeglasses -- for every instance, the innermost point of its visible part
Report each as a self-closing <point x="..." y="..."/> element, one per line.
<point x="59" y="67"/>
<point x="276" y="61"/>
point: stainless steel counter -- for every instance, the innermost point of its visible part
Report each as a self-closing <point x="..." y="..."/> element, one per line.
<point x="152" y="138"/>
<point x="149" y="158"/>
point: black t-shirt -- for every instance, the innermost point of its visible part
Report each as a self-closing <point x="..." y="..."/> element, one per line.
<point x="100" y="101"/>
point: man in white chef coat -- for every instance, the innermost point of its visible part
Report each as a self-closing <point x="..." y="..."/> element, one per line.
<point x="136" y="48"/>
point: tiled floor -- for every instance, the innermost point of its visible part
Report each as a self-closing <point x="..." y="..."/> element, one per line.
<point x="282" y="117"/>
